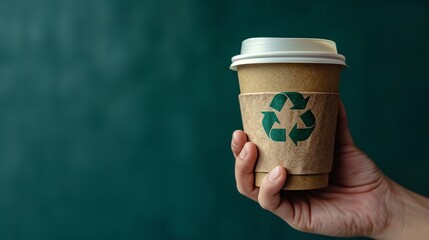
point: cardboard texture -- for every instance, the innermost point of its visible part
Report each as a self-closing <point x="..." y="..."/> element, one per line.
<point x="299" y="132"/>
<point x="296" y="77"/>
<point x="299" y="182"/>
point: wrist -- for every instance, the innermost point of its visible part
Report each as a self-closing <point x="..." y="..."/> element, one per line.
<point x="408" y="217"/>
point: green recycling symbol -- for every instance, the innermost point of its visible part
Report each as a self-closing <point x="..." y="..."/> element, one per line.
<point x="296" y="134"/>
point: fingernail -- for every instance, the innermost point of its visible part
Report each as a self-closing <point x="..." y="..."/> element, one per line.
<point x="243" y="153"/>
<point x="274" y="174"/>
<point x="234" y="138"/>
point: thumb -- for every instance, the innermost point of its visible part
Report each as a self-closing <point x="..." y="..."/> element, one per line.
<point x="343" y="136"/>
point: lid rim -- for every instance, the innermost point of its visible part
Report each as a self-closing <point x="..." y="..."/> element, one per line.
<point x="287" y="50"/>
<point x="288" y="54"/>
<point x="290" y="38"/>
<point x="334" y="61"/>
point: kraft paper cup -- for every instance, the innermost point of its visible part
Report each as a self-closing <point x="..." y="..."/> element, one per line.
<point x="289" y="104"/>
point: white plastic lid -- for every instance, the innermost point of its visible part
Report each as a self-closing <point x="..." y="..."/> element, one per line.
<point x="287" y="50"/>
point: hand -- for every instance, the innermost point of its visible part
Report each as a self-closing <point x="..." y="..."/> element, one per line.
<point x="359" y="201"/>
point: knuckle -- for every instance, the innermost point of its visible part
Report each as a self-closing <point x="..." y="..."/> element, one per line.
<point x="264" y="201"/>
<point x="264" y="205"/>
<point x="233" y="151"/>
<point x="238" y="165"/>
<point x="241" y="190"/>
<point x="241" y="167"/>
<point x="248" y="191"/>
<point x="233" y="148"/>
<point x="233" y="145"/>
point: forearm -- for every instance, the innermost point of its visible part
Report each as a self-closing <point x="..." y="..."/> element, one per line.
<point x="409" y="218"/>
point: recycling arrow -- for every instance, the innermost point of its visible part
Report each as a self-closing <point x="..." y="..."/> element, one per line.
<point x="278" y="135"/>
<point x="302" y="134"/>
<point x="296" y="134"/>
<point x="298" y="101"/>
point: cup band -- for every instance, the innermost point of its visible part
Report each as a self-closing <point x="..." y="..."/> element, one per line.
<point x="293" y="129"/>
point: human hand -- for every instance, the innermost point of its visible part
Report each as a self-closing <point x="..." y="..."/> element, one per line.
<point x="359" y="201"/>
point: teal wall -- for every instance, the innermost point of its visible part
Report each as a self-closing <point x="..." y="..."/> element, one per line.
<point x="116" y="116"/>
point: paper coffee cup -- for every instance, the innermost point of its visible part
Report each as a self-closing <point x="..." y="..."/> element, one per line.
<point x="289" y="104"/>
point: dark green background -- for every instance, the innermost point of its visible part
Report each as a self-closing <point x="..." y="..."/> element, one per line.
<point x="116" y="116"/>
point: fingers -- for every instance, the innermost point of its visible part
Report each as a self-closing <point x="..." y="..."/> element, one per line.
<point x="269" y="194"/>
<point x="343" y="136"/>
<point x="244" y="175"/>
<point x="239" y="138"/>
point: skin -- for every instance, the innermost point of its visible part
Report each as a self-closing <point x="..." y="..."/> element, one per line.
<point x="359" y="201"/>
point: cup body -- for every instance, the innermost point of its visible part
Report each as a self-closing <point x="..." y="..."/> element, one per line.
<point x="289" y="103"/>
<point x="289" y="110"/>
